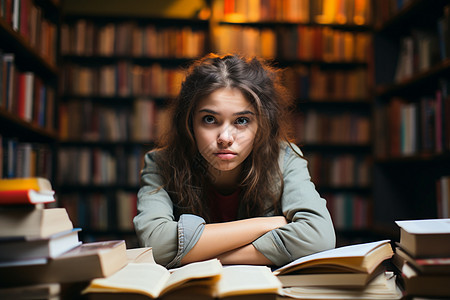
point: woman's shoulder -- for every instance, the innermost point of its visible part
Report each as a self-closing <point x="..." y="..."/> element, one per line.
<point x="154" y="156"/>
<point x="289" y="148"/>
<point x="288" y="152"/>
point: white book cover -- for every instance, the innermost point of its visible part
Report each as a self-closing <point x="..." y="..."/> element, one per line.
<point x="426" y="226"/>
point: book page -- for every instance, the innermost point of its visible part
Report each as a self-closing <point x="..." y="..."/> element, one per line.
<point x="332" y="256"/>
<point x="381" y="287"/>
<point x="140" y="255"/>
<point x="241" y="280"/>
<point x="210" y="270"/>
<point x="143" y="278"/>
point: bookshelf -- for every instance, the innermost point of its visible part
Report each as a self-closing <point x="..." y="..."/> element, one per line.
<point x="29" y="82"/>
<point x="118" y="73"/>
<point x="326" y="52"/>
<point x="411" y="111"/>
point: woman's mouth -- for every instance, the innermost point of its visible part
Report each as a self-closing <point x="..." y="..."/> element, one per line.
<point x="225" y="155"/>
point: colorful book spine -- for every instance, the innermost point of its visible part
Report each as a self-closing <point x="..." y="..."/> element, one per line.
<point x="18" y="197"/>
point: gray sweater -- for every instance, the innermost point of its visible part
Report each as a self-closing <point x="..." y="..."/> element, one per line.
<point x="309" y="227"/>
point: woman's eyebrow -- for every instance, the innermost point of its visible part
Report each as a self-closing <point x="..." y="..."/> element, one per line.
<point x="208" y="111"/>
<point x="245" y="112"/>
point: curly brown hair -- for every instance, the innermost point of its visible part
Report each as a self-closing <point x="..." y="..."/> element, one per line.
<point x="184" y="170"/>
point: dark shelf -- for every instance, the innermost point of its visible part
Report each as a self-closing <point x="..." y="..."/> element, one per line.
<point x="115" y="100"/>
<point x="105" y="144"/>
<point x="330" y="65"/>
<point x="428" y="78"/>
<point x="336" y="148"/>
<point x="13" y="126"/>
<point x="94" y="188"/>
<point x="422" y="158"/>
<point x="362" y="105"/>
<point x="275" y="24"/>
<point x="90" y="60"/>
<point x="26" y="58"/>
<point x="144" y="19"/>
<point x="417" y="12"/>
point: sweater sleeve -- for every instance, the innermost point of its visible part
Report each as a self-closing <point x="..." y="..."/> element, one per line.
<point x="310" y="228"/>
<point x="155" y="223"/>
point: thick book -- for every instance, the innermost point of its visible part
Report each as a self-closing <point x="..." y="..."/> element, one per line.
<point x="30" y="221"/>
<point x="206" y="280"/>
<point x="83" y="263"/>
<point x="18" y="197"/>
<point x="334" y="279"/>
<point x="34" y="291"/>
<point x="25" y="183"/>
<point x="432" y="265"/>
<point x="27" y="248"/>
<point x="430" y="285"/>
<point x="352" y="265"/>
<point x="383" y="286"/>
<point x="425" y="238"/>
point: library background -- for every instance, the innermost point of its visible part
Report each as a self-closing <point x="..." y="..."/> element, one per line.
<point x="84" y="86"/>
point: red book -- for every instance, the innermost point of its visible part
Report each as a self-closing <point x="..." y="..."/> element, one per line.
<point x="26" y="197"/>
<point x="21" y="91"/>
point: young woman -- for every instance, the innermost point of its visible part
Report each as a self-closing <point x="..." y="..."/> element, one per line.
<point x="226" y="182"/>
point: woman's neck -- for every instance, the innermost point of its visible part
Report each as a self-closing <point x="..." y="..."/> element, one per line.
<point x="225" y="182"/>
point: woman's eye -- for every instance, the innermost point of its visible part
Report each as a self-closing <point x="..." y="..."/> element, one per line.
<point x="242" y="121"/>
<point x="209" y="119"/>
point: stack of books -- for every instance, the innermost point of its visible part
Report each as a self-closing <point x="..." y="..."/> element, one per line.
<point x="39" y="247"/>
<point x="28" y="231"/>
<point x="354" y="271"/>
<point x="422" y="257"/>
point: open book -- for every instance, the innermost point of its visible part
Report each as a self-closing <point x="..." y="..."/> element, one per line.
<point x="352" y="265"/>
<point x="153" y="280"/>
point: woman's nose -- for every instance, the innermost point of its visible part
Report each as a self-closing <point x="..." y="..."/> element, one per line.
<point x="226" y="136"/>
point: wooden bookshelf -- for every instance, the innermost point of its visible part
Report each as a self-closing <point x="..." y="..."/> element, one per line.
<point x="411" y="112"/>
<point x="110" y="118"/>
<point x="28" y="55"/>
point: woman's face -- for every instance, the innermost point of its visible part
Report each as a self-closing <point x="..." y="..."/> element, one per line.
<point x="225" y="126"/>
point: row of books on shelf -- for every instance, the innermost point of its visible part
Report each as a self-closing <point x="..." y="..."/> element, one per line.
<point x="306" y="43"/>
<point x="383" y="11"/>
<point x="138" y="120"/>
<point x="424" y="48"/>
<point x="108" y="269"/>
<point x="107" y="211"/>
<point x="356" y="12"/>
<point x="23" y="159"/>
<point x="253" y="41"/>
<point x="443" y="197"/>
<point x="28" y="19"/>
<point x="82" y="165"/>
<point x="121" y="79"/>
<point x="324" y="44"/>
<point x="314" y="127"/>
<point x="262" y="10"/>
<point x="344" y="170"/>
<point x="409" y="128"/>
<point x="127" y="38"/>
<point x="349" y="211"/>
<point x="313" y="83"/>
<point x="25" y="95"/>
